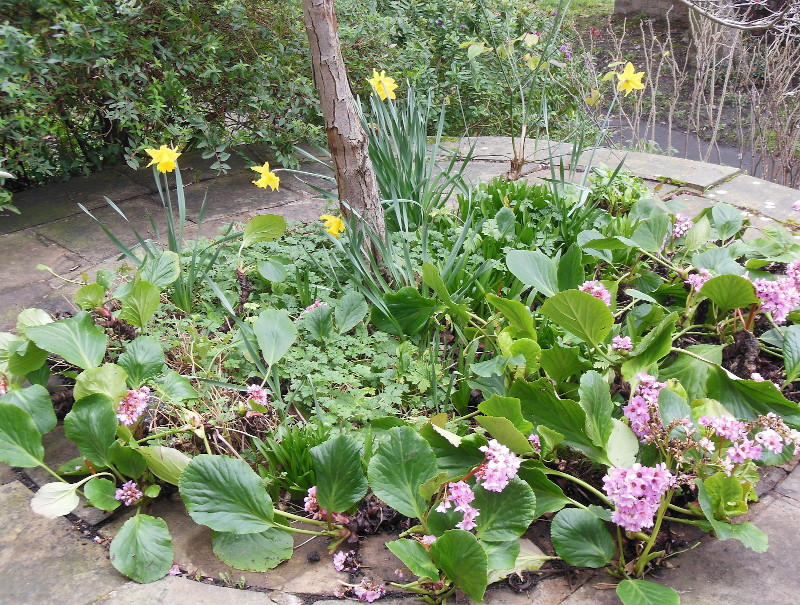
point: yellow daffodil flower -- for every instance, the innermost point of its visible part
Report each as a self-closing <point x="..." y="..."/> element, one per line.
<point x="629" y="81"/>
<point x="333" y="224"/>
<point x="164" y="158"/>
<point x="382" y="84"/>
<point x="268" y="178"/>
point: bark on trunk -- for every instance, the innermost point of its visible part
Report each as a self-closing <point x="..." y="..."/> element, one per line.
<point x="347" y="141"/>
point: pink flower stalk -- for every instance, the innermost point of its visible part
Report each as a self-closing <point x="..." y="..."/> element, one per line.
<point x="500" y="467"/>
<point x="698" y="280"/>
<point x="793" y="272"/>
<point x="133" y="406"/>
<point x="778" y="297"/>
<point x="314" y="305"/>
<point x="427" y="540"/>
<point x="724" y="427"/>
<point x="643" y="407"/>
<point x="596" y="289"/>
<point x="345" y="561"/>
<point x="636" y="492"/>
<point x="128" y="494"/>
<point x="771" y="440"/>
<point x="681" y="225"/>
<point x="462" y="495"/>
<point x="536" y="443"/>
<point x="369" y="591"/>
<point x="257" y="394"/>
<point x="706" y="444"/>
<point x="622" y="343"/>
<point x="744" y="450"/>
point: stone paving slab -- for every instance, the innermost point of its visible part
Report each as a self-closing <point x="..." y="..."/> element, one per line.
<point x="769" y="199"/>
<point x="59" y="200"/>
<point x="181" y="591"/>
<point x="677" y="171"/>
<point x="82" y="235"/>
<point x="23" y="250"/>
<point x="45" y="561"/>
<point x="6" y="474"/>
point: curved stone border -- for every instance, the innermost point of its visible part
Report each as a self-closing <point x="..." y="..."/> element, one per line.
<point x="56" y="561"/>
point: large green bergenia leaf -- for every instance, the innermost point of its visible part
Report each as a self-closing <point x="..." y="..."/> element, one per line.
<point x="581" y="539"/>
<point x="226" y="495"/>
<point x="253" y="552"/>
<point x="500" y="522"/>
<point x="463" y="560"/>
<point x="340" y="478"/>
<point x="142" y="550"/>
<point x="76" y="339"/>
<point x="92" y="426"/>
<point x="275" y="333"/>
<point x="36" y="401"/>
<point x="581" y="314"/>
<point x="401" y="465"/>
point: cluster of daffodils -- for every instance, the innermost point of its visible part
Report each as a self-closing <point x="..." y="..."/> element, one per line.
<point x="499" y="467"/>
<point x="133" y="406"/>
<point x="636" y="492"/>
<point x="596" y="289"/>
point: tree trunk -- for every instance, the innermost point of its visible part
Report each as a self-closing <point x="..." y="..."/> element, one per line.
<point x="347" y="141"/>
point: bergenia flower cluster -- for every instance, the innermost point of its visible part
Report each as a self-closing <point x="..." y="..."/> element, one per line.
<point x="257" y="394"/>
<point x="369" y="591"/>
<point x="128" y="494"/>
<point x="133" y="406"/>
<point x="345" y="561"/>
<point x="596" y="289"/>
<point x="535" y="442"/>
<point x="500" y="467"/>
<point x="312" y="506"/>
<point x="681" y="225"/>
<point x="315" y="305"/>
<point x="460" y="494"/>
<point x="622" y="343"/>
<point x="642" y="411"/>
<point x="779" y="296"/>
<point x="636" y="492"/>
<point x="698" y="280"/>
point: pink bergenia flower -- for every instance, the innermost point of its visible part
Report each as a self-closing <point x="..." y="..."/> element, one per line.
<point x="796" y="206"/>
<point x="771" y="440"/>
<point x="793" y="272"/>
<point x="681" y="225"/>
<point x="596" y="289"/>
<point x="317" y="303"/>
<point x="133" y="406"/>
<point x="460" y="494"/>
<point x="744" y="450"/>
<point x="724" y="427"/>
<point x="500" y="467"/>
<point x="622" y="343"/>
<point x="369" y="591"/>
<point x="128" y="494"/>
<point x="535" y="442"/>
<point x="698" y="280"/>
<point x="636" y="492"/>
<point x="345" y="561"/>
<point x="643" y="407"/>
<point x="257" y="394"/>
<point x="778" y="297"/>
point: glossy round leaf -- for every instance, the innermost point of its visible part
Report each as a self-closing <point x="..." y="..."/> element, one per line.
<point x="253" y="552"/>
<point x="100" y="492"/>
<point x="500" y="521"/>
<point x="226" y="495"/>
<point x="142" y="550"/>
<point x="581" y="539"/>
<point x="463" y="560"/>
<point x="642" y="592"/>
<point x="92" y="426"/>
<point x="55" y="500"/>
<point x="20" y="441"/>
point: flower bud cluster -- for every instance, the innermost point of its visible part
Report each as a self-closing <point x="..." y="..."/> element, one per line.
<point x="369" y="591"/>
<point x="698" y="280"/>
<point x="636" y="492"/>
<point x="500" y="467"/>
<point x="312" y="506"/>
<point x="133" y="406"/>
<point x="681" y="225"/>
<point x="622" y="343"/>
<point x="596" y="289"/>
<point x="778" y="297"/>
<point x="257" y="394"/>
<point x="128" y="494"/>
<point x="642" y="411"/>
<point x="460" y="494"/>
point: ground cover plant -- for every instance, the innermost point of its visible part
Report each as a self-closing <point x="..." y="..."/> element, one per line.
<point x="575" y="352"/>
